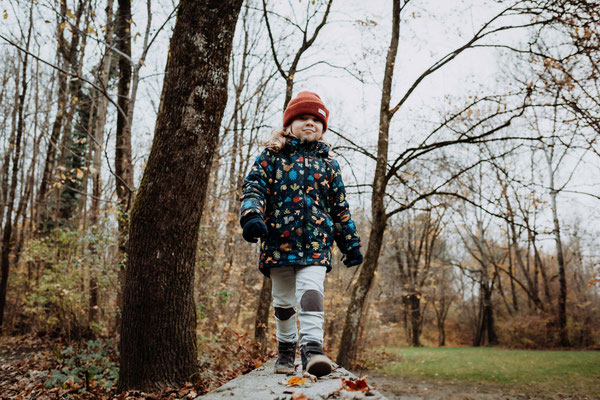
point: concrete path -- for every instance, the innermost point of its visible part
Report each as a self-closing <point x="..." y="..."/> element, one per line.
<point x="263" y="384"/>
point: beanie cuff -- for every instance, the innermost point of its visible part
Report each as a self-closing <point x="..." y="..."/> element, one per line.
<point x="306" y="103"/>
<point x="306" y="108"/>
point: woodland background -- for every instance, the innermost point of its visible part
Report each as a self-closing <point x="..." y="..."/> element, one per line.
<point x="467" y="133"/>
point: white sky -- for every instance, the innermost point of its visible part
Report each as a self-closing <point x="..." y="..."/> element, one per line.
<point x="434" y="27"/>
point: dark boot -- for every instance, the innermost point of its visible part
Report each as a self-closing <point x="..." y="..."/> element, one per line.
<point x="314" y="360"/>
<point x="285" y="358"/>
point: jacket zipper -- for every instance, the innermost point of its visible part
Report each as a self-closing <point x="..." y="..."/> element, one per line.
<point x="304" y="234"/>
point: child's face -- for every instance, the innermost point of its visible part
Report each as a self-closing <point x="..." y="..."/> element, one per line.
<point x="307" y="127"/>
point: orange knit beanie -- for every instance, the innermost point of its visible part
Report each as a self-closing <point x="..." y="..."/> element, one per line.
<point x="306" y="103"/>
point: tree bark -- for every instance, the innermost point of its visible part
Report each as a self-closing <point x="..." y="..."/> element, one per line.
<point x="123" y="160"/>
<point x="158" y="340"/>
<point x="123" y="163"/>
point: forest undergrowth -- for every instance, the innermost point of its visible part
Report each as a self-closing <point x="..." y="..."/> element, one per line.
<point x="52" y="368"/>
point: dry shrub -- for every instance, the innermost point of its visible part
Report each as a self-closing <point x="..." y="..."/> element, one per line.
<point x="527" y="332"/>
<point x="583" y="325"/>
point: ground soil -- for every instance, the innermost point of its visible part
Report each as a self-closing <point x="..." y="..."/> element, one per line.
<point x="18" y="358"/>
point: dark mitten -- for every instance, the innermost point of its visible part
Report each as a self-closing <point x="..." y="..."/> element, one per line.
<point x="254" y="228"/>
<point x="354" y="257"/>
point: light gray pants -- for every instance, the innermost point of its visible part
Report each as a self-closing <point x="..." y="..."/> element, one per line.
<point x="302" y="287"/>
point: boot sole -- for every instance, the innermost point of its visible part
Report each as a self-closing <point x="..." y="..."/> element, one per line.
<point x="285" y="370"/>
<point x="318" y="365"/>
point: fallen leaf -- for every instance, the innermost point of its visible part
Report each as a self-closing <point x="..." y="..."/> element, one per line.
<point x="296" y="381"/>
<point x="355" y="385"/>
<point x="299" y="396"/>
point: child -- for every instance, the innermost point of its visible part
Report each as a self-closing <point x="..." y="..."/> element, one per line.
<point x="295" y="201"/>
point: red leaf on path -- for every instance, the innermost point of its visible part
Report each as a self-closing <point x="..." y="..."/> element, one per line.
<point x="355" y="385"/>
<point x="299" y="396"/>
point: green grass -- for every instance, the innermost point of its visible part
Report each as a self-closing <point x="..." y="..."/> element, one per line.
<point x="564" y="371"/>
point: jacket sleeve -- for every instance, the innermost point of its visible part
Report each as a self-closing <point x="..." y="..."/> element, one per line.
<point x="346" y="235"/>
<point x="256" y="187"/>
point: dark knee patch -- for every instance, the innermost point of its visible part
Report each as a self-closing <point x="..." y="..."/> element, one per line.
<point x="284" y="313"/>
<point x="312" y="300"/>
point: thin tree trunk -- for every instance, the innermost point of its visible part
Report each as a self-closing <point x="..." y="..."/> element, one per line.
<point x="533" y="294"/>
<point x="262" y="314"/>
<point x="513" y="292"/>
<point x="415" y="318"/>
<point x="158" y="340"/>
<point x="123" y="160"/>
<point x="9" y="147"/>
<point x="562" y="278"/>
<point x="441" y="312"/>
<point x="488" y="311"/>
<point x="441" y="334"/>
<point x="348" y="344"/>
<point x="101" y="111"/>
<point x="8" y="225"/>
<point x="123" y="163"/>
<point x="542" y="269"/>
<point x="65" y="55"/>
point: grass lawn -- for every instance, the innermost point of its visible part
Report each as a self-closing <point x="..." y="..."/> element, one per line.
<point x="568" y="372"/>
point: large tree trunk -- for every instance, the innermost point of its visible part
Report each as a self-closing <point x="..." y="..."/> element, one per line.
<point x="348" y="345"/>
<point x="158" y="340"/>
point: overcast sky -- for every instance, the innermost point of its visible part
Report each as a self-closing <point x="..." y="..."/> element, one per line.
<point x="430" y="29"/>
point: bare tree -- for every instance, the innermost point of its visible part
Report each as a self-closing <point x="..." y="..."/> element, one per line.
<point x="485" y="128"/>
<point x="416" y="247"/>
<point x="15" y="146"/>
<point x="98" y="148"/>
<point x="66" y="53"/>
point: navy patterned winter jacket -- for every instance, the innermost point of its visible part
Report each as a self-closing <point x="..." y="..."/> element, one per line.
<point x="300" y="195"/>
